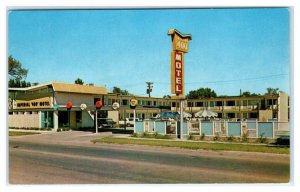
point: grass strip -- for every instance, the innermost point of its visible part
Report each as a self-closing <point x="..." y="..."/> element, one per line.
<point x="20" y="133"/>
<point x="197" y="145"/>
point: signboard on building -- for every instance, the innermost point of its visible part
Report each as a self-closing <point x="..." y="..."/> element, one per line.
<point x="44" y="102"/>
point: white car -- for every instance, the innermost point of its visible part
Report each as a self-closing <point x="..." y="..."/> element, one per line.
<point x="130" y="122"/>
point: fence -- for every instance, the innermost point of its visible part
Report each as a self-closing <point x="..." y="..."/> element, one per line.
<point x="221" y="128"/>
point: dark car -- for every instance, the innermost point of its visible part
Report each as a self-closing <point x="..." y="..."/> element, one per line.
<point x="106" y="122"/>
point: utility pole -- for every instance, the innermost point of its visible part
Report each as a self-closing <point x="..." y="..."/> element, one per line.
<point x="149" y="88"/>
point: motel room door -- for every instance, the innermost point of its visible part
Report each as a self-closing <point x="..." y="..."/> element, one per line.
<point x="47" y="119"/>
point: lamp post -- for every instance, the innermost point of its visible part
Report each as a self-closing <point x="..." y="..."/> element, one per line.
<point x="69" y="107"/>
<point x="98" y="106"/>
<point x="133" y="104"/>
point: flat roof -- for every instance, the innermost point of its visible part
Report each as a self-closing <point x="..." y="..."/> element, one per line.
<point x="66" y="87"/>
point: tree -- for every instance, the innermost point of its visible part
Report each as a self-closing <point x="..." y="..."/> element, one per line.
<point x="201" y="93"/>
<point x="120" y="91"/>
<point x="15" y="69"/>
<point x="272" y="91"/>
<point x="18" y="83"/>
<point x="17" y="73"/>
<point x="167" y="97"/>
<point x="248" y="94"/>
<point x="79" y="81"/>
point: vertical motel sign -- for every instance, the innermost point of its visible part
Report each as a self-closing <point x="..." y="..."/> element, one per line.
<point x="180" y="43"/>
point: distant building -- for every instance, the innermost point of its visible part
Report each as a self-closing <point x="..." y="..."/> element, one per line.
<point x="44" y="106"/>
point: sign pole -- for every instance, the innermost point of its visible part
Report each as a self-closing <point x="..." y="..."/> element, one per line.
<point x="98" y="107"/>
<point x="134" y="120"/>
<point x="180" y="45"/>
<point x="96" y="119"/>
<point x="69" y="118"/>
<point x="181" y="118"/>
<point x="133" y="104"/>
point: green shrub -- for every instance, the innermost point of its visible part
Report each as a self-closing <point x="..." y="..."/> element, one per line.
<point x="245" y="137"/>
<point x="202" y="136"/>
<point x="262" y="138"/>
<point x="217" y="137"/>
<point x="230" y="138"/>
<point x="154" y="135"/>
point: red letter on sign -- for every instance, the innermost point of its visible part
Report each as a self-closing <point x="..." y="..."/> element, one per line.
<point x="178" y="73"/>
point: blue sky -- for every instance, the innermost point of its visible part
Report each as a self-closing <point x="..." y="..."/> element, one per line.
<point x="231" y="49"/>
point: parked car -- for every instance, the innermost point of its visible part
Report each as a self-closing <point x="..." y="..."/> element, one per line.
<point x="106" y="122"/>
<point x="130" y="122"/>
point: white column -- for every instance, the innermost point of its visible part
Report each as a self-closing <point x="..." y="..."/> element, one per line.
<point x="55" y="118"/>
<point x="200" y="127"/>
<point x="213" y="128"/>
<point x="241" y="128"/>
<point x="40" y="119"/>
<point x="273" y="129"/>
<point x="256" y="128"/>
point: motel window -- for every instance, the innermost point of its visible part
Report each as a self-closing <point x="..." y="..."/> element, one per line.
<point x="252" y="102"/>
<point x="219" y="103"/>
<point x="212" y="104"/>
<point x="252" y="115"/>
<point x="124" y="102"/>
<point x="139" y="102"/>
<point x="190" y="104"/>
<point x="244" y="102"/>
<point x="109" y="102"/>
<point x="173" y="104"/>
<point x="230" y="103"/>
<point x="231" y="115"/>
<point x="220" y="115"/>
<point x="206" y="104"/>
<point x="143" y="102"/>
<point x="270" y="101"/>
<point x="154" y="103"/>
<point x="149" y="103"/>
<point x="105" y="101"/>
<point x="10" y="113"/>
<point x="78" y="116"/>
<point x="199" y="104"/>
<point x="275" y="115"/>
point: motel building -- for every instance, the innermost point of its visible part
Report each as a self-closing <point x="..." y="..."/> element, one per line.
<point x="44" y="106"/>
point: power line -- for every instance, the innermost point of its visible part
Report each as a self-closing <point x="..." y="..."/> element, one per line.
<point x="232" y="80"/>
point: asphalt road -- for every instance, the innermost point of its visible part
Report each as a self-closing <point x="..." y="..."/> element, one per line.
<point x="60" y="160"/>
